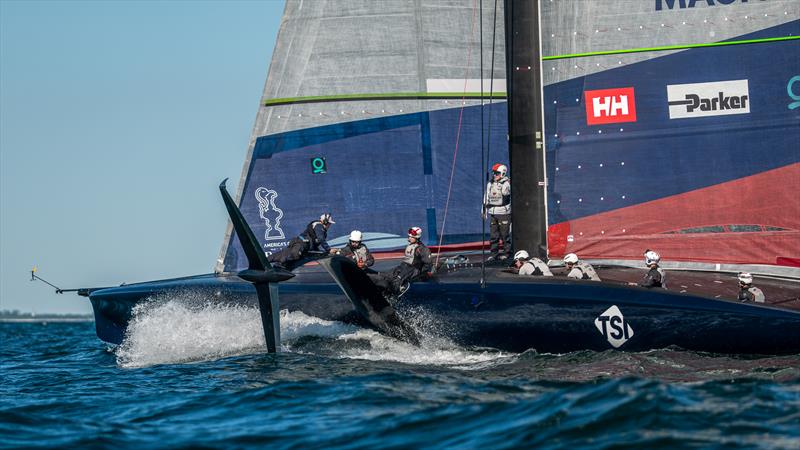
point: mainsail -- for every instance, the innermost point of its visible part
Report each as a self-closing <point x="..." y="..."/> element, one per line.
<point x="670" y="124"/>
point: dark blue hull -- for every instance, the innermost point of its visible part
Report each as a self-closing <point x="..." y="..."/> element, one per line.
<point x="509" y="313"/>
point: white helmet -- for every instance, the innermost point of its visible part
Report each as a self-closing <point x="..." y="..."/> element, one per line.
<point x="500" y="168"/>
<point x="651" y="257"/>
<point x="522" y="254"/>
<point x="326" y="218"/>
<point x="415" y="232"/>
<point x="570" y="258"/>
<point x="746" y="278"/>
<point x="355" y="235"/>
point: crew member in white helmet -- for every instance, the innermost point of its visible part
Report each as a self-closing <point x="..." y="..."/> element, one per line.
<point x="578" y="269"/>
<point x="748" y="292"/>
<point x="416" y="263"/>
<point x="530" y="266"/>
<point x="357" y="251"/>
<point x="497" y="207"/>
<point x="655" y="277"/>
<point x="313" y="239"/>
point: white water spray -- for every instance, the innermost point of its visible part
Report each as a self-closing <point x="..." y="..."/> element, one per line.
<point x="194" y="328"/>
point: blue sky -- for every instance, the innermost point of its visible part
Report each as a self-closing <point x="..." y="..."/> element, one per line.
<point x="117" y="122"/>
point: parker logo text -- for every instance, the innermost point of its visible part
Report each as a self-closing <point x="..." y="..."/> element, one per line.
<point x="613" y="326"/>
<point x="719" y="98"/>
<point x="610" y="106"/>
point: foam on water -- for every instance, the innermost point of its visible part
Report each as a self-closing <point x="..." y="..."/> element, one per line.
<point x="181" y="330"/>
<point x="193" y="328"/>
<point x="432" y="351"/>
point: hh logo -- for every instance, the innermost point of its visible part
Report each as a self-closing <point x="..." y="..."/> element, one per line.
<point x="613" y="326"/>
<point x="610" y="106"/>
<point x="270" y="213"/>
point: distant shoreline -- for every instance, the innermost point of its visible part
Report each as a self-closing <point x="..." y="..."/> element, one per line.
<point x="16" y="316"/>
<point x="47" y="319"/>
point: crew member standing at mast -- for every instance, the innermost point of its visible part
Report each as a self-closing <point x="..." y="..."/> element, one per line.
<point x="497" y="207"/>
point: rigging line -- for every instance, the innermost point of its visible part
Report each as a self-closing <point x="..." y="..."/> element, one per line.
<point x="485" y="163"/>
<point x="483" y="168"/>
<point x="458" y="139"/>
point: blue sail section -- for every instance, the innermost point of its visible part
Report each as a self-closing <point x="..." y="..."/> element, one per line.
<point x="383" y="176"/>
<point x="386" y="174"/>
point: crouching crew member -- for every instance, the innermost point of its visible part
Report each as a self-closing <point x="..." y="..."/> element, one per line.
<point x="313" y="239"/>
<point x="655" y="277"/>
<point x="357" y="251"/>
<point x="530" y="266"/>
<point x="748" y="292"/>
<point x="416" y="263"/>
<point x="497" y="206"/>
<point x="579" y="269"/>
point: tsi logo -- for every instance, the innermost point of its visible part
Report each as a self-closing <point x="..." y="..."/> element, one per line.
<point x="720" y="98"/>
<point x="612" y="325"/>
<point x="610" y="106"/>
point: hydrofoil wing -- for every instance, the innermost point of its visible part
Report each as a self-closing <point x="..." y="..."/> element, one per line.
<point x="368" y="299"/>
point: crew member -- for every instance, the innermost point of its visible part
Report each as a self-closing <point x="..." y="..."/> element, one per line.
<point x="357" y="251"/>
<point x="655" y="277"/>
<point x="416" y="263"/>
<point x="578" y="269"/>
<point x="313" y="239"/>
<point x="497" y="206"/>
<point x="530" y="266"/>
<point x="748" y="292"/>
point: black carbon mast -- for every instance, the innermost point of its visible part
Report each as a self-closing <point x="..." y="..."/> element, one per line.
<point x="526" y="127"/>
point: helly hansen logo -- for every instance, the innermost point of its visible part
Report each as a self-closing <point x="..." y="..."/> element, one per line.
<point x="610" y="106"/>
<point x="613" y="326"/>
<point x="719" y="98"/>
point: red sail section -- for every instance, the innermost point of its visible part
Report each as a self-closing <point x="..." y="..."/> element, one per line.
<point x="753" y="220"/>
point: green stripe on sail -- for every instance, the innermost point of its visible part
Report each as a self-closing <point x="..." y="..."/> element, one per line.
<point x="668" y="47"/>
<point x="502" y="95"/>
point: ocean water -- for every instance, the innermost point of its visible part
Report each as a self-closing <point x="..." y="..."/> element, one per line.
<point x="189" y="377"/>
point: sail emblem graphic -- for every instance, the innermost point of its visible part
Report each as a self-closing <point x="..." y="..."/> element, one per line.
<point x="613" y="326"/>
<point x="270" y="213"/>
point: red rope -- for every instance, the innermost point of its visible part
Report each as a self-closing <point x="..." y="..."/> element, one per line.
<point x="458" y="133"/>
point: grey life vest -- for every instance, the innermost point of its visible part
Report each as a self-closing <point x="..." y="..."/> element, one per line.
<point x="583" y="271"/>
<point x="751" y="294"/>
<point x="498" y="196"/>
<point x="535" y="266"/>
<point x="408" y="256"/>
<point x="359" y="254"/>
<point x="663" y="278"/>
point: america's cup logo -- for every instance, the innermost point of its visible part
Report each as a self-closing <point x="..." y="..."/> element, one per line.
<point x="270" y="213"/>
